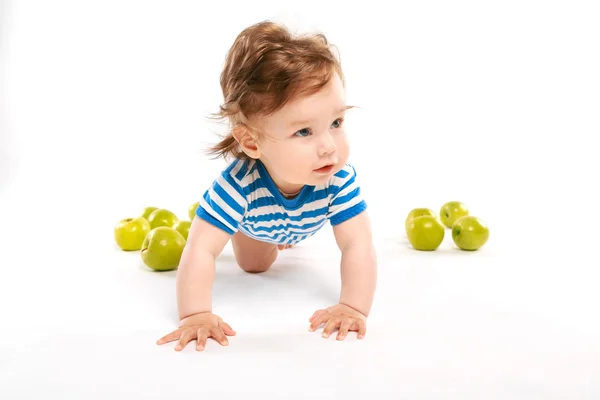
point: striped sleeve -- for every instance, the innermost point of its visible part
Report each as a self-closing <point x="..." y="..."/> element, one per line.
<point x="224" y="203"/>
<point x="346" y="198"/>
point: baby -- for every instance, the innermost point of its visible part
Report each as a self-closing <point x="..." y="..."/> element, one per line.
<point x="284" y="97"/>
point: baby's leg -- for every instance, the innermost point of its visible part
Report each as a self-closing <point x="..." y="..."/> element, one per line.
<point x="253" y="255"/>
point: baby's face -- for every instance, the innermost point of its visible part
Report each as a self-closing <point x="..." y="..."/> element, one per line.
<point x="305" y="143"/>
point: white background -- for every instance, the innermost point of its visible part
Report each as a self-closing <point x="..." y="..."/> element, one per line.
<point x="496" y="104"/>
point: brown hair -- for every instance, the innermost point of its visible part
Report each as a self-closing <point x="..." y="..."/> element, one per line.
<point x="265" y="68"/>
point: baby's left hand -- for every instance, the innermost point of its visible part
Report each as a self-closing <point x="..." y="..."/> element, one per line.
<point x="342" y="317"/>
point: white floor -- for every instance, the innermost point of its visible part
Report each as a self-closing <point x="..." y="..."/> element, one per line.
<point x="81" y="318"/>
<point x="98" y="123"/>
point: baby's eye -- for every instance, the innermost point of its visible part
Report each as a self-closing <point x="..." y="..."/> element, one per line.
<point x="306" y="132"/>
<point x="339" y="123"/>
<point x="302" y="132"/>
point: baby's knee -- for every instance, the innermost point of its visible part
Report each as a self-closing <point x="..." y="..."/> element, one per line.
<point x="256" y="265"/>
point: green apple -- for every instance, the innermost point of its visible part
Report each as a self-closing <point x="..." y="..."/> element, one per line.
<point x="470" y="233"/>
<point x="147" y="211"/>
<point x="131" y="232"/>
<point x="162" y="249"/>
<point x="417" y="212"/>
<point x="451" y="211"/>
<point x="162" y="217"/>
<point x="192" y="210"/>
<point x="183" y="227"/>
<point x="425" y="233"/>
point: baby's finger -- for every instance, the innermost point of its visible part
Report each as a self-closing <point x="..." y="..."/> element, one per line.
<point x="202" y="336"/>
<point x="315" y="314"/>
<point x="317" y="321"/>
<point x="362" y="329"/>
<point x="186" y="336"/>
<point x="330" y="326"/>
<point x="170" y="337"/>
<point x="218" y="334"/>
<point x="343" y="331"/>
<point x="228" y="330"/>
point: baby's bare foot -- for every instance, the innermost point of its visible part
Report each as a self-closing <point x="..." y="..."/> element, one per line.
<point x="284" y="246"/>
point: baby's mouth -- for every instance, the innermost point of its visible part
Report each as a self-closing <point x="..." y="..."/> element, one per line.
<point x="325" y="169"/>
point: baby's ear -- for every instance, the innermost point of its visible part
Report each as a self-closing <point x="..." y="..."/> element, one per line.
<point x="246" y="140"/>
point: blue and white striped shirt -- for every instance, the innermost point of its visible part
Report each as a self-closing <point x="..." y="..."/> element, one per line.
<point x="245" y="198"/>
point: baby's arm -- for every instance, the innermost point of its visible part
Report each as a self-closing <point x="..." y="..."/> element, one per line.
<point x="196" y="271"/>
<point x="195" y="276"/>
<point x="359" y="262"/>
<point x="359" y="276"/>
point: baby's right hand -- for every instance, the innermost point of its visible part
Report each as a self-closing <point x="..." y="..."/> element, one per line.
<point x="199" y="326"/>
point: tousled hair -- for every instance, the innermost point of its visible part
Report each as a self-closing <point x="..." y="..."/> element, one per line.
<point x="265" y="68"/>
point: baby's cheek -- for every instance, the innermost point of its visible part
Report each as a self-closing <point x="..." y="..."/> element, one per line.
<point x="342" y="147"/>
<point x="286" y="159"/>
